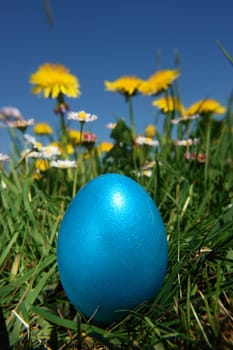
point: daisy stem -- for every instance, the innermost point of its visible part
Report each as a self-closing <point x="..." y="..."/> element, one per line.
<point x="78" y="160"/>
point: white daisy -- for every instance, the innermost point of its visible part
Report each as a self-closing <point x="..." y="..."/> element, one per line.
<point x="63" y="164"/>
<point x="185" y="118"/>
<point x="82" y="116"/>
<point x="188" y="142"/>
<point x="3" y="157"/>
<point x="142" y="140"/>
<point x="20" y="123"/>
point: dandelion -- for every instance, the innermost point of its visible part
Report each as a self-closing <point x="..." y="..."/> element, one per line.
<point x="63" y="164"/>
<point x="52" y="80"/>
<point x="169" y="104"/>
<point x="75" y="136"/>
<point x="42" y="129"/>
<point x="158" y="82"/>
<point x="150" y="131"/>
<point x="41" y="164"/>
<point x="141" y="140"/>
<point x="205" y="107"/>
<point x="82" y="116"/>
<point x="126" y="85"/>
<point x="104" y="147"/>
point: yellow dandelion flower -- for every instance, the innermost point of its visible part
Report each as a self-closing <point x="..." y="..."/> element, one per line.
<point x="75" y="136"/>
<point x="126" y="85"/>
<point x="150" y="131"/>
<point x="51" y="80"/>
<point x="169" y="104"/>
<point x="104" y="147"/>
<point x="42" y="164"/>
<point x="42" y="129"/>
<point x="158" y="82"/>
<point x="206" y="106"/>
<point x="69" y="149"/>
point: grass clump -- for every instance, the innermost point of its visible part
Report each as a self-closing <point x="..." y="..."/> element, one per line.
<point x="187" y="170"/>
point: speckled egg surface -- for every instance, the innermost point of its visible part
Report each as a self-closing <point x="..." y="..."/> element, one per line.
<point x="112" y="248"/>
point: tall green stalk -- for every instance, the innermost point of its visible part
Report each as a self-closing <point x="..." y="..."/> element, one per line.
<point x="78" y="160"/>
<point x="131" y="116"/>
<point x="208" y="130"/>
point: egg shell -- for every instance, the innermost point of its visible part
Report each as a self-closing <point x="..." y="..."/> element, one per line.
<point x="112" y="249"/>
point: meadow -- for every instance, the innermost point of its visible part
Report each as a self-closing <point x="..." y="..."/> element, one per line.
<point x="187" y="168"/>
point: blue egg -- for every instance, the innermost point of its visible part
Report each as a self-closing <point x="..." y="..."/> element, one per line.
<point x="112" y="249"/>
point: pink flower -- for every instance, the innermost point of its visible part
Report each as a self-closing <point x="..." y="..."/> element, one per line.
<point x="200" y="157"/>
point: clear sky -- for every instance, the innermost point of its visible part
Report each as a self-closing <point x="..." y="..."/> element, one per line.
<point x="104" y="39"/>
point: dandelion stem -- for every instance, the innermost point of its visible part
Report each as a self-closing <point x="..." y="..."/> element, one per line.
<point x="131" y="116"/>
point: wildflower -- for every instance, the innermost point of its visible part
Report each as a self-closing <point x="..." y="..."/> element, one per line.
<point x="49" y="152"/>
<point x="63" y="164"/>
<point x="150" y="131"/>
<point x="61" y="107"/>
<point x="104" y="147"/>
<point x="32" y="140"/>
<point x="3" y="185"/>
<point x="3" y="157"/>
<point x="158" y="82"/>
<point x="126" y="85"/>
<point x="206" y="106"/>
<point x="89" y="137"/>
<point x="141" y="140"/>
<point x="185" y="118"/>
<point x="111" y="126"/>
<point x="20" y="124"/>
<point x="52" y="80"/>
<point x="42" y="164"/>
<point x="89" y="140"/>
<point x="68" y="149"/>
<point x="10" y="112"/>
<point x="82" y="116"/>
<point x="169" y="104"/>
<point x="147" y="169"/>
<point x="188" y="142"/>
<point x="75" y="136"/>
<point x="200" y="157"/>
<point x="42" y="129"/>
<point x="45" y="152"/>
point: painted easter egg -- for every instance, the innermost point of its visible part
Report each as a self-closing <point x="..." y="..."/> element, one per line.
<point x="112" y="249"/>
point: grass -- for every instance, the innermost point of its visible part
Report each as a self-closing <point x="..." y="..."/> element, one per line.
<point x="194" y="309"/>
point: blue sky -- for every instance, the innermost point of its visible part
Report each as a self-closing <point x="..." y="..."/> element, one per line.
<point x="105" y="39"/>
